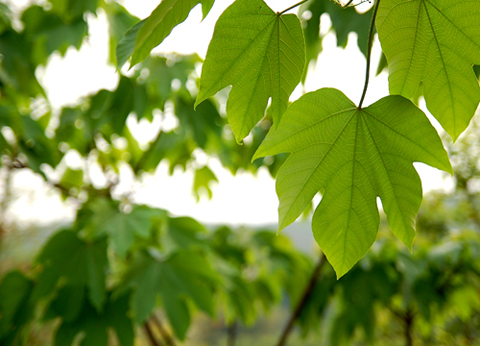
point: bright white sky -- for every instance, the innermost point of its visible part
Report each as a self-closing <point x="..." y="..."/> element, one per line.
<point x="242" y="199"/>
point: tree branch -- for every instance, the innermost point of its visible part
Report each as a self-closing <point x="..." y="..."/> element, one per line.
<point x="303" y="300"/>
<point x="292" y="7"/>
<point x="151" y="337"/>
<point x="165" y="335"/>
<point x="232" y="333"/>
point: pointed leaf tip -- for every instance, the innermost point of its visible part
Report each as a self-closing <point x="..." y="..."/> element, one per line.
<point x="167" y="15"/>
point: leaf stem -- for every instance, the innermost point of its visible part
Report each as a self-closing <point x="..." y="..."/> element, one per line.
<point x="292" y="7"/>
<point x="371" y="32"/>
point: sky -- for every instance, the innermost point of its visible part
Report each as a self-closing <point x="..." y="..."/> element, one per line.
<point x="243" y="199"/>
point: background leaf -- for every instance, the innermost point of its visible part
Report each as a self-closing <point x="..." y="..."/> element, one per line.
<point x="67" y="257"/>
<point x="167" y="15"/>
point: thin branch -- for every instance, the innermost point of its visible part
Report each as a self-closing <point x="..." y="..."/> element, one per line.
<point x="232" y="334"/>
<point x="151" y="337"/>
<point x="303" y="300"/>
<point x="292" y="7"/>
<point x="165" y="335"/>
<point x="5" y="199"/>
<point x="408" y="332"/>
<point x="371" y="33"/>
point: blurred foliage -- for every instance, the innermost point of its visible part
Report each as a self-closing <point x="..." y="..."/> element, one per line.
<point x="120" y="267"/>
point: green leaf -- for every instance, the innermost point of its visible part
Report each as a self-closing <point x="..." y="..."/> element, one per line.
<point x="73" y="9"/>
<point x="96" y="325"/>
<point x="68" y="303"/>
<point x="72" y="178"/>
<point x="126" y="45"/>
<point x="261" y="54"/>
<point x="356" y="155"/>
<point x="123" y="228"/>
<point x="206" y="7"/>
<point x="167" y="15"/>
<point x="344" y="22"/>
<point x="49" y="33"/>
<point x="120" y="23"/>
<point x="435" y="42"/>
<point x="203" y="177"/>
<point x="183" y="275"/>
<point x="77" y="262"/>
<point x="15" y="290"/>
<point x="183" y="233"/>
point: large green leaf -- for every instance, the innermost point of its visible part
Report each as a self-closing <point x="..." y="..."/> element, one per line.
<point x="436" y="42"/>
<point x="261" y="54"/>
<point x="355" y="155"/>
<point x="167" y="15"/>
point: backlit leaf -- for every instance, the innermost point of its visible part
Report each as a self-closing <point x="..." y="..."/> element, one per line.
<point x="167" y="15"/>
<point x="202" y="180"/>
<point x="434" y="42"/>
<point x="356" y="155"/>
<point x="261" y="54"/>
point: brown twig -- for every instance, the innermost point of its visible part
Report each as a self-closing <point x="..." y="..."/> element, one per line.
<point x="232" y="334"/>
<point x="149" y="333"/>
<point x="165" y="335"/>
<point x="303" y="300"/>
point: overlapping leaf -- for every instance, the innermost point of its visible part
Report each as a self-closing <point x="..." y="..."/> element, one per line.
<point x="355" y="155"/>
<point x="167" y="15"/>
<point x="261" y="54"/>
<point x="436" y="42"/>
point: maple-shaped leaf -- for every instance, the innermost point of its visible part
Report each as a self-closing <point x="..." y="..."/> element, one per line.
<point x="167" y="15"/>
<point x="76" y="262"/>
<point x="101" y="217"/>
<point x="261" y="54"/>
<point x="435" y="42"/>
<point x="355" y="155"/>
<point x="123" y="228"/>
<point x="182" y="277"/>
